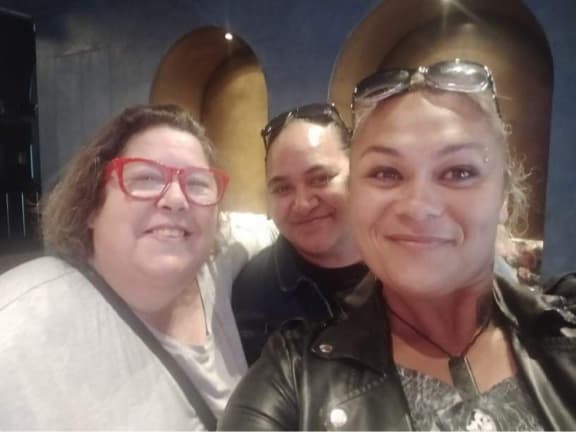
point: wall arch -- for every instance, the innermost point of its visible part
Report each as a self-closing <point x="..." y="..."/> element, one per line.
<point x="221" y="83"/>
<point x="502" y="34"/>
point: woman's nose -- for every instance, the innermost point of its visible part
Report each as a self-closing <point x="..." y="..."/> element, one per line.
<point x="419" y="201"/>
<point x="173" y="198"/>
<point x="305" y="200"/>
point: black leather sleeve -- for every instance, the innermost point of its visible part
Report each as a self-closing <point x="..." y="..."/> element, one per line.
<point x="266" y="398"/>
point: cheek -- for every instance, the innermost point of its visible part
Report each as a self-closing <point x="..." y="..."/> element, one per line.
<point x="337" y="196"/>
<point x="278" y="207"/>
<point x="110" y="215"/>
<point x="367" y="208"/>
<point x="364" y="197"/>
<point x="209" y="218"/>
<point x="477" y="217"/>
<point x="121" y="217"/>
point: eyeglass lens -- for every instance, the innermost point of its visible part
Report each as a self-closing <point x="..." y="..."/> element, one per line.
<point x="145" y="180"/>
<point x="463" y="77"/>
<point x="452" y="76"/>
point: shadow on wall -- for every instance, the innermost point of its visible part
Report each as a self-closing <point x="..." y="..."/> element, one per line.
<point x="501" y="34"/>
<point x="218" y="78"/>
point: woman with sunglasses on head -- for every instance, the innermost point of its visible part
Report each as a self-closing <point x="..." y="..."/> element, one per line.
<point x="312" y="270"/>
<point x="129" y="324"/>
<point x="443" y="344"/>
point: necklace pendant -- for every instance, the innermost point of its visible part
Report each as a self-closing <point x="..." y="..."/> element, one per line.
<point x="462" y="377"/>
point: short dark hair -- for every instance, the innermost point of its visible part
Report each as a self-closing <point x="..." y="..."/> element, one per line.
<point x="322" y="114"/>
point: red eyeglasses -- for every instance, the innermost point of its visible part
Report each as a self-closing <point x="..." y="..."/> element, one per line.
<point x="144" y="179"/>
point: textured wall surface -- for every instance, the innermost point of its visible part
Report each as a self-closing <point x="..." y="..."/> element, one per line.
<point x="97" y="56"/>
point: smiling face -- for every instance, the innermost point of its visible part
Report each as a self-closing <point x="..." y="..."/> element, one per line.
<point x="427" y="188"/>
<point x="307" y="171"/>
<point x="140" y="246"/>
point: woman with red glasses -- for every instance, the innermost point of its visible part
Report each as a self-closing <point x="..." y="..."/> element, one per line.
<point x="443" y="344"/>
<point x="128" y="325"/>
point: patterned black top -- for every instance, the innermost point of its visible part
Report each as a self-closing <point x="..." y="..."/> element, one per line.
<point x="435" y="405"/>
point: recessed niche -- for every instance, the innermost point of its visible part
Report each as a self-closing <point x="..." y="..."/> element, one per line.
<point x="501" y="34"/>
<point x="217" y="77"/>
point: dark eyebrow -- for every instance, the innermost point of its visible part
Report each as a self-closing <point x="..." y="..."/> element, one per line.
<point x="276" y="179"/>
<point x="317" y="169"/>
<point x="452" y="148"/>
<point x="381" y="149"/>
<point x="314" y="169"/>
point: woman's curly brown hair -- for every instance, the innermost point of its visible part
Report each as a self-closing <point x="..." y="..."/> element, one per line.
<point x="79" y="193"/>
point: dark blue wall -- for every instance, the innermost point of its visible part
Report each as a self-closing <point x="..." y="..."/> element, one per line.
<point x="557" y="18"/>
<point x="97" y="56"/>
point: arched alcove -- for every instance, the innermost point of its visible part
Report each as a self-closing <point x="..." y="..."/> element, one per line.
<point x="501" y="34"/>
<point x="218" y="78"/>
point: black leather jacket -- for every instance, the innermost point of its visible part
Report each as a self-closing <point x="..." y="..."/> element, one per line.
<point x="306" y="375"/>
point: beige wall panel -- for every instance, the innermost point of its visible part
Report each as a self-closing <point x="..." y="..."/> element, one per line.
<point x="221" y="83"/>
<point x="524" y="80"/>
<point x="188" y="66"/>
<point x="501" y="34"/>
<point x="235" y="110"/>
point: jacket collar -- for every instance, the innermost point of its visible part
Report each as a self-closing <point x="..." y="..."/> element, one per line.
<point x="535" y="312"/>
<point x="288" y="274"/>
<point x="364" y="336"/>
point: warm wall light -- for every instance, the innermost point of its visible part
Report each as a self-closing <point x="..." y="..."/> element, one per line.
<point x="228" y="36"/>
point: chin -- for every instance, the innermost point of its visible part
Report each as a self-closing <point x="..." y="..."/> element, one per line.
<point x="169" y="266"/>
<point x="315" y="248"/>
<point x="419" y="283"/>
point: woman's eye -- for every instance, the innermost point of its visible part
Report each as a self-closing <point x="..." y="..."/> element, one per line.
<point x="387" y="175"/>
<point x="321" y="180"/>
<point x="150" y="177"/>
<point x="280" y="189"/>
<point x="459" y="174"/>
<point x="143" y="178"/>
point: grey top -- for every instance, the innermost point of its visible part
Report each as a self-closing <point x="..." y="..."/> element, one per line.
<point x="69" y="361"/>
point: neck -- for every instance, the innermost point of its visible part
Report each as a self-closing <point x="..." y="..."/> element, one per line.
<point x="182" y="320"/>
<point x="343" y="255"/>
<point x="445" y="325"/>
<point x="172" y="306"/>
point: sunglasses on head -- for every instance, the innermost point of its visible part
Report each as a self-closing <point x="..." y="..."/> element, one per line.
<point x="454" y="75"/>
<point x="322" y="113"/>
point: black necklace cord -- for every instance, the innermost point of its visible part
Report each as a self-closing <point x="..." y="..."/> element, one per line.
<point x="458" y="365"/>
<point x="427" y="338"/>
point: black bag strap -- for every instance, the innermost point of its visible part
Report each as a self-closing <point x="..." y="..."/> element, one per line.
<point x="127" y="314"/>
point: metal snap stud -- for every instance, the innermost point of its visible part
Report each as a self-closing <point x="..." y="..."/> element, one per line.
<point x="338" y="417"/>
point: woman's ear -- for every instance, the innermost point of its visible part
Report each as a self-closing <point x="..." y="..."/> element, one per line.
<point x="503" y="217"/>
<point x="91" y="217"/>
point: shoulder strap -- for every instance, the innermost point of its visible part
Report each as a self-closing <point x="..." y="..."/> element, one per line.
<point x="125" y="312"/>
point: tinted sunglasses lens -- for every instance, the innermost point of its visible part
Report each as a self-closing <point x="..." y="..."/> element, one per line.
<point x="314" y="111"/>
<point x="317" y="112"/>
<point x="273" y="127"/>
<point x="464" y="77"/>
<point x="382" y="84"/>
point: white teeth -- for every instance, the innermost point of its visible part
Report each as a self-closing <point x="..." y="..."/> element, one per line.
<point x="169" y="232"/>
